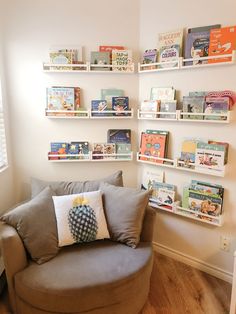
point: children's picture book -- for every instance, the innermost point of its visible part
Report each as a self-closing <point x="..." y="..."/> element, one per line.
<point x="161" y="132"/>
<point x="109" y="49"/>
<point x="123" y="150"/>
<point x="193" y="104"/>
<point x="149" y="57"/>
<point x="219" y="105"/>
<point x="109" y="150"/>
<point x="170" y="47"/>
<point x="149" y="177"/>
<point x="100" y="58"/>
<point x="122" y="61"/>
<point x="107" y="95"/>
<point x="163" y="194"/>
<point x="162" y="93"/>
<point x="150" y="106"/>
<point x="120" y="104"/>
<point x="203" y="28"/>
<point x="152" y="145"/>
<point x="119" y="136"/>
<point x="99" y="105"/>
<point x="168" y="106"/>
<point x="222" y="41"/>
<point x="73" y="149"/>
<point x="60" y="98"/>
<point x="59" y="148"/>
<point x="97" y="150"/>
<point x="198" y="93"/>
<point x="210" y="156"/>
<point x="188" y="152"/>
<point x="83" y="149"/>
<point x="226" y="146"/>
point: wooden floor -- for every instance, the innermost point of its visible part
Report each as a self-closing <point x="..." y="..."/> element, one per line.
<point x="177" y="289"/>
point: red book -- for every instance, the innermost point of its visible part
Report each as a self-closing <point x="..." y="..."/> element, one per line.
<point x="153" y="145"/>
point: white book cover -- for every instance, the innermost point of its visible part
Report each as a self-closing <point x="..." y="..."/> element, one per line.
<point x="122" y="60"/>
<point x="150" y="106"/>
<point x="210" y="156"/>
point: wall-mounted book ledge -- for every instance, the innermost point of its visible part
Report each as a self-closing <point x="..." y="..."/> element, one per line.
<point x="180" y="165"/>
<point x="188" y="213"/>
<point x="181" y="63"/>
<point x="88" y="67"/>
<point x="90" y="157"/>
<point x="89" y="114"/>
<point x="180" y="116"/>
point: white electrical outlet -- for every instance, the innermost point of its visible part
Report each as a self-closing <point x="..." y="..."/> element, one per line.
<point x="224" y="243"/>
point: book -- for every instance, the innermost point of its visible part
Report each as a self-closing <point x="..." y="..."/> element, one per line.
<point x="225" y="93"/>
<point x="149" y="57"/>
<point x="222" y="41"/>
<point x="100" y="58"/>
<point x="168" y="106"/>
<point x="219" y="105"/>
<point x="60" y="98"/>
<point x="207" y="188"/>
<point x="97" y="150"/>
<point x="162" y="93"/>
<point x="163" y="194"/>
<point x="98" y="105"/>
<point x="73" y="149"/>
<point x="203" y="28"/>
<point x="210" y="156"/>
<point x="161" y="132"/>
<point x="109" y="49"/>
<point x="122" y="61"/>
<point x="170" y="47"/>
<point x="109" y="149"/>
<point x="57" y="57"/>
<point x="83" y="149"/>
<point x="120" y="104"/>
<point x="188" y="152"/>
<point x="198" y="93"/>
<point x="193" y="104"/>
<point x="107" y="95"/>
<point x="123" y="150"/>
<point x="59" y="148"/>
<point x="150" y="177"/>
<point x="119" y="136"/>
<point x="152" y="145"/>
<point x="150" y="106"/>
<point x="75" y="51"/>
<point x="226" y="146"/>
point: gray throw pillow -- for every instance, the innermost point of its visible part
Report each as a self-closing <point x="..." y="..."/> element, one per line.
<point x="35" y="222"/>
<point x="124" y="210"/>
<point x="67" y="187"/>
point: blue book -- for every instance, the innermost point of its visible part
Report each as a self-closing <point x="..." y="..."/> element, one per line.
<point x="119" y="136"/>
<point x="99" y="105"/>
<point x="59" y="148"/>
<point x="120" y="104"/>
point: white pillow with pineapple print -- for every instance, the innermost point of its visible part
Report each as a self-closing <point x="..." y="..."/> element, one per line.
<point x="80" y="218"/>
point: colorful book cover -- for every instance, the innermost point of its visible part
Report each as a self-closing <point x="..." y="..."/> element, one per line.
<point x="207" y="188"/>
<point x="162" y="93"/>
<point x="149" y="178"/>
<point x="107" y="95"/>
<point x="197" y="45"/>
<point x="226" y="146"/>
<point x="83" y="149"/>
<point x="73" y="149"/>
<point x="60" y="98"/>
<point x="100" y="58"/>
<point x="168" y="106"/>
<point x="119" y="136"/>
<point x="122" y="149"/>
<point x="149" y="57"/>
<point x="188" y="151"/>
<point x="153" y="145"/>
<point x="209" y="156"/>
<point x="219" y="105"/>
<point x="222" y="41"/>
<point x="59" y="148"/>
<point x="193" y="104"/>
<point x="77" y="92"/>
<point x="109" y="150"/>
<point x="120" y="104"/>
<point x="203" y="28"/>
<point x="150" y="106"/>
<point x="170" y="47"/>
<point x="109" y="49"/>
<point x="99" y="105"/>
<point x="161" y="132"/>
<point x="97" y="150"/>
<point x="122" y="60"/>
<point x="61" y="57"/>
<point x="166" y="197"/>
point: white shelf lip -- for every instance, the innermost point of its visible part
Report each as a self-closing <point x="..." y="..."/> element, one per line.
<point x="181" y="63"/>
<point x="112" y="114"/>
<point x="89" y="157"/>
<point x="66" y="114"/>
<point x="170" y="163"/>
<point x="178" y="210"/>
<point x="179" y="116"/>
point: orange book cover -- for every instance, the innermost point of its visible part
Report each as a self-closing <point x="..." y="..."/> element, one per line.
<point x="110" y="48"/>
<point x="222" y="42"/>
<point x="152" y="145"/>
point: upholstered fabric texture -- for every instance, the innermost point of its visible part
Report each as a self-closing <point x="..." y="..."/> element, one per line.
<point x="124" y="210"/>
<point x="68" y="187"/>
<point x="80" y="218"/>
<point x="35" y="222"/>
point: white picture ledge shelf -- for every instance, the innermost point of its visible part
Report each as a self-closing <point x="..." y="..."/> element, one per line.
<point x="89" y="114"/>
<point x="188" y="213"/>
<point x="89" y="157"/>
<point x="181" y="63"/>
<point x="179" y="165"/>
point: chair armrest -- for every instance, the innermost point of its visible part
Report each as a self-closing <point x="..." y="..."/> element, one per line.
<point x="14" y="257"/>
<point x="148" y="225"/>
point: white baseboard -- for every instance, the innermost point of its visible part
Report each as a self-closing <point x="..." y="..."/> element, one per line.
<point x="194" y="262"/>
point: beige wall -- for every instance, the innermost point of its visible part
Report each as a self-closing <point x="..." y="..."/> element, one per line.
<point x="183" y="235"/>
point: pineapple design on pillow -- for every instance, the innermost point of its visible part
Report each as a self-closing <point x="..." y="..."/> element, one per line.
<point x="82" y="221"/>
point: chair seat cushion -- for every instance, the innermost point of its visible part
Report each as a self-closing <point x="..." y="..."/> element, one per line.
<point x="86" y="276"/>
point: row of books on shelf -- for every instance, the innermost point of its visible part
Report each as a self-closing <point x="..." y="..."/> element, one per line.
<point x="209" y="42"/>
<point x="195" y="153"/>
<point x="200" y="200"/>
<point x="118" y="146"/>
<point x="162" y="104"/>
<point x="107" y="58"/>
